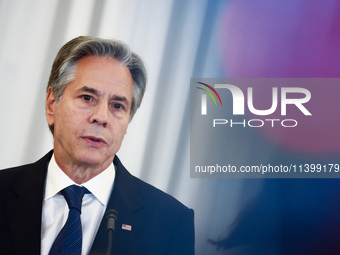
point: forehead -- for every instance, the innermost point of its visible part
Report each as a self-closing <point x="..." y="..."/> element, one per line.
<point x="103" y="68"/>
<point x="103" y="73"/>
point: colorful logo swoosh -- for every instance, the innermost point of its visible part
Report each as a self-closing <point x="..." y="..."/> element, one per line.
<point x="209" y="93"/>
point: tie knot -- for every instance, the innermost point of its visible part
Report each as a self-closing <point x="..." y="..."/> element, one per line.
<point x="74" y="196"/>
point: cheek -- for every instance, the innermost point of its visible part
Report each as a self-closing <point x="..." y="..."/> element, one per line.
<point x="120" y="132"/>
<point x="125" y="126"/>
<point x="68" y="122"/>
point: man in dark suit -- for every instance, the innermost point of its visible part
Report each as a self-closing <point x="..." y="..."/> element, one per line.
<point x="75" y="200"/>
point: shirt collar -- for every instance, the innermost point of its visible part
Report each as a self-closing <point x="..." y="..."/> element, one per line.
<point x="100" y="186"/>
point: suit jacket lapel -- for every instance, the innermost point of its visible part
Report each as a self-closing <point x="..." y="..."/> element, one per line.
<point x="126" y="200"/>
<point x="24" y="210"/>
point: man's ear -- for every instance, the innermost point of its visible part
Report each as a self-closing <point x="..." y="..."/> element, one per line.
<point x="50" y="106"/>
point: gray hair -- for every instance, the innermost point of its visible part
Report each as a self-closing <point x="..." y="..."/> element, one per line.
<point x="65" y="64"/>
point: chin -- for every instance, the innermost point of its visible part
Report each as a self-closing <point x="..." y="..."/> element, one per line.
<point x="91" y="159"/>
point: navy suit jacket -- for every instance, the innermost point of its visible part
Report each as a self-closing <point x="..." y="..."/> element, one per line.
<point x="159" y="223"/>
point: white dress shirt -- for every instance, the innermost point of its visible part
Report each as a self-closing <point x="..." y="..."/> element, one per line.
<point x="55" y="209"/>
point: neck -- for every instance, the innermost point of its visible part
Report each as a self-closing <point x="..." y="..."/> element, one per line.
<point x="80" y="173"/>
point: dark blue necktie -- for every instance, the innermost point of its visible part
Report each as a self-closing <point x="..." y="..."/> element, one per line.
<point x="69" y="239"/>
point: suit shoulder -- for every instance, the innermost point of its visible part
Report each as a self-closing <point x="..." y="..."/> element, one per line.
<point x="28" y="173"/>
<point x="150" y="195"/>
<point x="12" y="172"/>
<point x="153" y="195"/>
<point x="9" y="175"/>
<point x="8" y="178"/>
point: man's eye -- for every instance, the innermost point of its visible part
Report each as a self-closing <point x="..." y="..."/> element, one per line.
<point x="117" y="106"/>
<point x="87" y="98"/>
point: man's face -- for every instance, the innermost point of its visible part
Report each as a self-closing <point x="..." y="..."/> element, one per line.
<point x="93" y="114"/>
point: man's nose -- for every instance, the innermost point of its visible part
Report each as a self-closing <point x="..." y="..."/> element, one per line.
<point x="100" y="114"/>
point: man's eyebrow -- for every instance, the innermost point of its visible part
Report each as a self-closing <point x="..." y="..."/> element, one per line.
<point x="90" y="90"/>
<point x="120" y="99"/>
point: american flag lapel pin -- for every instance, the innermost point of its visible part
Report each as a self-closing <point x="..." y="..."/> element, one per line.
<point x="126" y="227"/>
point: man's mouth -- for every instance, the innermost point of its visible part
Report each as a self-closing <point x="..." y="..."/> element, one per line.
<point x="94" y="140"/>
